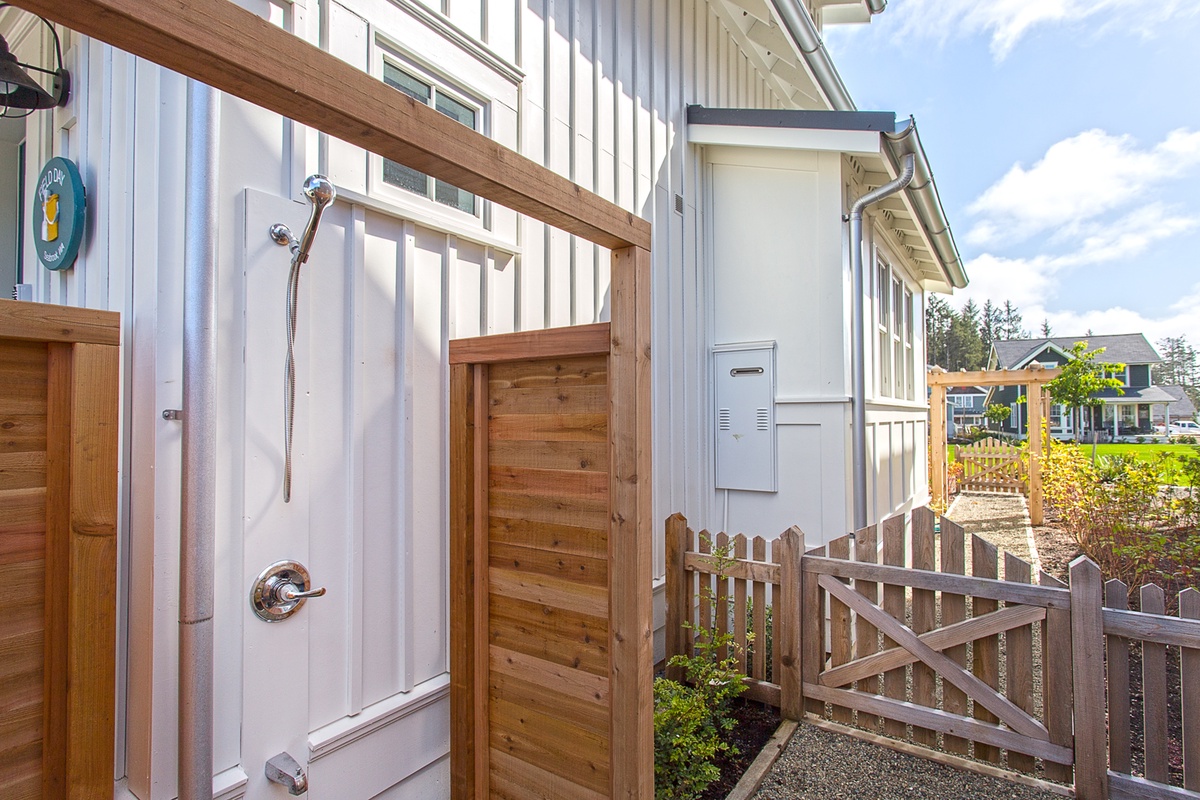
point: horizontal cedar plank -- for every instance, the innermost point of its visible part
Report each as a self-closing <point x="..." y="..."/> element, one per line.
<point x="576" y="340"/>
<point x="21" y="655"/>
<point x="21" y="544"/>
<point x="20" y="723"/>
<point x="553" y="744"/>
<point x="21" y="772"/>
<point x="535" y="561"/>
<point x="589" y="456"/>
<point x="988" y="588"/>
<point x="942" y="721"/>
<point x="544" y="590"/>
<point x="549" y="482"/>
<point x="514" y="779"/>
<point x="567" y="539"/>
<point x="44" y="322"/>
<point x="24" y="510"/>
<point x="938" y="639"/>
<point x="526" y="692"/>
<point x="244" y="55"/>
<point x="1130" y="787"/>
<point x="1003" y="377"/>
<point x="24" y="584"/>
<point x="565" y="680"/>
<point x="763" y="571"/>
<point x="550" y="399"/>
<point x="19" y="470"/>
<point x="22" y="433"/>
<point x="574" y="371"/>
<point x="576" y="512"/>
<point x="563" y="637"/>
<point x="1152" y="628"/>
<point x="549" y="427"/>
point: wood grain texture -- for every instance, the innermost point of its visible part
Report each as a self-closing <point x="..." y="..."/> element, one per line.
<point x="42" y="322"/>
<point x="1057" y="680"/>
<point x="1154" y="691"/>
<point x="244" y="55"/>
<point x="840" y="632"/>
<point x="924" y="616"/>
<point x="463" y="685"/>
<point x="1189" y="670"/>
<point x="758" y="596"/>
<point x="866" y="635"/>
<point x="1116" y="595"/>
<point x="554" y="343"/>
<point x="985" y="662"/>
<point x="1087" y="640"/>
<point x="1152" y="628"/>
<point x="954" y="610"/>
<point x="631" y="530"/>
<point x="812" y="633"/>
<point x="788" y="625"/>
<point x="1018" y="656"/>
<point x="895" y="681"/>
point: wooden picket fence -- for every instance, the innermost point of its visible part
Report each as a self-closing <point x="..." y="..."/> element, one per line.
<point x="883" y="632"/>
<point x="990" y="465"/>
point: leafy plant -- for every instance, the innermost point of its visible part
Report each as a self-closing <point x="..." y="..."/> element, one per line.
<point x="690" y="717"/>
<point x="998" y="413"/>
<point x="1081" y="378"/>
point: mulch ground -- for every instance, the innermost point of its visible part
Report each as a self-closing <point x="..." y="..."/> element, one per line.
<point x="755" y="725"/>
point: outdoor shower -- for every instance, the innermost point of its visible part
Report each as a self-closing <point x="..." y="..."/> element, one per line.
<point x="320" y="192"/>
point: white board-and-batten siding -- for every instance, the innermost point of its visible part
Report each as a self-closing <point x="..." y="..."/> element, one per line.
<point x="595" y="89"/>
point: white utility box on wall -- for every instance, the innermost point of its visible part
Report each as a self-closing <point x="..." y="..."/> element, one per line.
<point x="745" y="416"/>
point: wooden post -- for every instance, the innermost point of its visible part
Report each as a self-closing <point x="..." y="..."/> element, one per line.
<point x="937" y="444"/>
<point x="676" y="638"/>
<point x="1116" y="595"/>
<point x="1154" y="690"/>
<point x="787" y="622"/>
<point x="1058" y="697"/>
<point x="631" y="528"/>
<point x="1087" y="646"/>
<point x="1034" y="431"/>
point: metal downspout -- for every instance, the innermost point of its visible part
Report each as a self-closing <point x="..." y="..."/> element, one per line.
<point x="198" y="519"/>
<point x="858" y="345"/>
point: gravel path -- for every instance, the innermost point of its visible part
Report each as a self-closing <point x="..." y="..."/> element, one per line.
<point x="1002" y="519"/>
<point x="823" y="765"/>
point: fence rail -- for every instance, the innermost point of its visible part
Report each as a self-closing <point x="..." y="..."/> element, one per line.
<point x="887" y="630"/>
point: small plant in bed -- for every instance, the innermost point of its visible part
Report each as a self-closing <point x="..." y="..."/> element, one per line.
<point x="692" y="719"/>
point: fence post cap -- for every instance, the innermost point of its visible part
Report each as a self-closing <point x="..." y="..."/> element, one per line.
<point x="1084" y="563"/>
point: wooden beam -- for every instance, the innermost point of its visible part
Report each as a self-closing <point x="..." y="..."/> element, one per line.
<point x="238" y="52"/>
<point x="990" y="377"/>
<point x="42" y="322"/>
<point x="1034" y="437"/>
<point x="577" y="340"/>
<point x="937" y="446"/>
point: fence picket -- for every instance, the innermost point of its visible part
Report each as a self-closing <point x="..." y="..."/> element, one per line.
<point x="812" y="634"/>
<point x="722" y="595"/>
<point x="791" y="699"/>
<point x="776" y="557"/>
<point x="866" y="635"/>
<point x="758" y="667"/>
<point x="840" y="633"/>
<point x="1058" y="695"/>
<point x="954" y="609"/>
<point x="985" y="662"/>
<point x="689" y="594"/>
<point x="1087" y="645"/>
<point x="895" y="681"/>
<point x="1018" y="647"/>
<point x="739" y="604"/>
<point x="1154" y="691"/>
<point x="705" y="584"/>
<point x="924" y="618"/>
<point x="1116" y="595"/>
<point x="1189" y="680"/>
<point x="676" y="634"/>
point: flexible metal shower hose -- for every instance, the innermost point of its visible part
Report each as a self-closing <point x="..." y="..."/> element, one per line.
<point x="289" y="375"/>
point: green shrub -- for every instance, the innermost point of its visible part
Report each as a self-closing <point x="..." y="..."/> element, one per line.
<point x="690" y="718"/>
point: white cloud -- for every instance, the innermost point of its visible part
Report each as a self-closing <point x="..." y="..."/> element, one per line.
<point x="1077" y="180"/>
<point x="1007" y="21"/>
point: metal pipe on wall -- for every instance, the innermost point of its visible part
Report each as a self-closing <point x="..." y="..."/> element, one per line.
<point x="858" y="343"/>
<point x="198" y="503"/>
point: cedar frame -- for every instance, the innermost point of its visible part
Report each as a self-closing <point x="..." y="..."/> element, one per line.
<point x="237" y="52"/>
<point x="80" y="640"/>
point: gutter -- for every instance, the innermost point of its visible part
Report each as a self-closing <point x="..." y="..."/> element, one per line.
<point x="803" y="31"/>
<point x="924" y="195"/>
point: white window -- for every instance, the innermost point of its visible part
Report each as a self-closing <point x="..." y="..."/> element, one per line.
<point x="409" y="179"/>
<point x="909" y="358"/>
<point x="883" y="315"/>
<point x="895" y="323"/>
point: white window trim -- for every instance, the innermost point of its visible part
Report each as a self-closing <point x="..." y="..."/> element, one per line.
<point x="893" y="381"/>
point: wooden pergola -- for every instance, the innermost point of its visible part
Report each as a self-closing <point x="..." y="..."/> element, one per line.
<point x="1034" y="378"/>
<point x="237" y="52"/>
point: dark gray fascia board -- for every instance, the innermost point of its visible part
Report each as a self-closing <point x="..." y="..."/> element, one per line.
<point x="878" y="121"/>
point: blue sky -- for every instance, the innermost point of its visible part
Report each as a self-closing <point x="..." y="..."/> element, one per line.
<point x="1064" y="136"/>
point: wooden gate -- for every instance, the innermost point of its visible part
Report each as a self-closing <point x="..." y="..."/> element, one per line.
<point x="58" y="550"/>
<point x="992" y="466"/>
<point x="550" y="580"/>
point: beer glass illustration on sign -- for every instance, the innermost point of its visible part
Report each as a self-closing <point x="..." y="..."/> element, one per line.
<point x="49" y="217"/>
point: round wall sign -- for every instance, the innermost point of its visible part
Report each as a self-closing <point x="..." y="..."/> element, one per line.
<point x="59" y="203"/>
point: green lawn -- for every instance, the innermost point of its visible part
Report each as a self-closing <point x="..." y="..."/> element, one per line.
<point x="1147" y="452"/>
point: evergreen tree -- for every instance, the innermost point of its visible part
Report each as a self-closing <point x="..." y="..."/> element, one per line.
<point x="938" y="317"/>
<point x="1180" y="366"/>
<point x="964" y="350"/>
<point x="1010" y="323"/>
<point x="1046" y="328"/>
<point x="989" y="325"/>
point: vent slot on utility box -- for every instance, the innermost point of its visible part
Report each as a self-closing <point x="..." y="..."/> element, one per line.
<point x="745" y="416"/>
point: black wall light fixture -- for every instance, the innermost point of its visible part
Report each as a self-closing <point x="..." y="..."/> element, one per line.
<point x="20" y="92"/>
